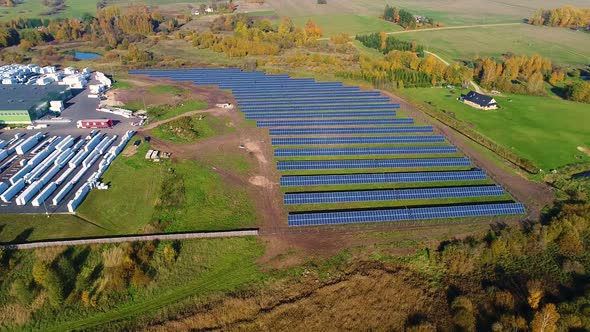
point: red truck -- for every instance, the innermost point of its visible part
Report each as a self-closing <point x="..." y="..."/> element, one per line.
<point x="99" y="123"/>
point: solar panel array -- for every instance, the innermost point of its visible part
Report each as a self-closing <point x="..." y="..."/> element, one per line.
<point x="357" y="140"/>
<point x="381" y="178"/>
<point x="405" y="214"/>
<point x="309" y="152"/>
<point x="308" y="115"/>
<point x="391" y="195"/>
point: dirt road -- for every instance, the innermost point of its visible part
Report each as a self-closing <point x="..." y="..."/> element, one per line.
<point x="473" y="84"/>
<point x="454" y="28"/>
<point x="157" y="123"/>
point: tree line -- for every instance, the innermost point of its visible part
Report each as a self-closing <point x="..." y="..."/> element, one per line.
<point x="110" y="27"/>
<point x="405" y="19"/>
<point x="386" y="43"/>
<point x="256" y="37"/>
<point x="566" y="16"/>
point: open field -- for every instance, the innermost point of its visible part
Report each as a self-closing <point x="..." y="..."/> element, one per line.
<point x="562" y="46"/>
<point x="545" y="130"/>
<point x="35" y="8"/>
<point x="351" y="24"/>
<point x="448" y="12"/>
<point x="37" y="227"/>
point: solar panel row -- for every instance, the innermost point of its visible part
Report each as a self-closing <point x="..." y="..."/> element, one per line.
<point x="292" y="95"/>
<point x="380" y="178"/>
<point x="313" y="152"/>
<point x="358" y="140"/>
<point x="270" y="103"/>
<point x="316" y="115"/>
<point x="345" y="131"/>
<point x="293" y="165"/>
<point x="321" y="108"/>
<point x="328" y="197"/>
<point x="352" y="122"/>
<point x="407" y="214"/>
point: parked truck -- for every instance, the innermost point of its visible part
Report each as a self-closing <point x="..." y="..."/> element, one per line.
<point x="97" y="123"/>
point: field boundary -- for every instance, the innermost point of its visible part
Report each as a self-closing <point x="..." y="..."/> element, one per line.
<point x="134" y="238"/>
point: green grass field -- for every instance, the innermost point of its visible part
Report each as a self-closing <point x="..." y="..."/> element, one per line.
<point x="543" y="129"/>
<point x="167" y="112"/>
<point x="562" y="46"/>
<point x="165" y="89"/>
<point x="351" y="24"/>
<point x="34" y="8"/>
<point x="207" y="127"/>
<point x="37" y="227"/>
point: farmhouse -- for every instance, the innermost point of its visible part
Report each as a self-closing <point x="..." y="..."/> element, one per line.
<point x="480" y="101"/>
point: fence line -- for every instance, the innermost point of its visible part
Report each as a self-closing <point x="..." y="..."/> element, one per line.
<point x="120" y="239"/>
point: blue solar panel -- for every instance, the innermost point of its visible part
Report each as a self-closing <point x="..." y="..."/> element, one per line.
<point x="343" y="131"/>
<point x="385" y="215"/>
<point x="294" y="165"/>
<point x="309" y="152"/>
<point x="316" y="115"/>
<point x="319" y="108"/>
<point x="358" y="140"/>
<point x="294" y="95"/>
<point x="270" y="103"/>
<point x="391" y="195"/>
<point x="351" y="122"/>
<point x="380" y="178"/>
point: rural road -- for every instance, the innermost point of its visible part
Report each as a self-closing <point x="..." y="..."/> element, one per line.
<point x="475" y="86"/>
<point x="120" y="239"/>
<point x="454" y="27"/>
<point x="444" y="28"/>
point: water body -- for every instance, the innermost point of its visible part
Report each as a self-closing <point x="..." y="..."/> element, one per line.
<point x="86" y="56"/>
<point x="581" y="175"/>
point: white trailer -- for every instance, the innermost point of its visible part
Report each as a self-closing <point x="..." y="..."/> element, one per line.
<point x="12" y="191"/>
<point x="44" y="194"/>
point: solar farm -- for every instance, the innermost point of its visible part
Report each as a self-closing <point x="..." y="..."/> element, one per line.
<point x="345" y="155"/>
<point x="40" y="173"/>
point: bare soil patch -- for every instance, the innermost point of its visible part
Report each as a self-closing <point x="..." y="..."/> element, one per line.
<point x="584" y="150"/>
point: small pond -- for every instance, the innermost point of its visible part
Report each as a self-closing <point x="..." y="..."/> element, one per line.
<point x="86" y="56"/>
<point x="581" y="175"/>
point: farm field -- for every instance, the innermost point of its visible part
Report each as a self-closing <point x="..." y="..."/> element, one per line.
<point x="35" y="8"/>
<point x="562" y="46"/>
<point x="447" y="12"/>
<point x="545" y="130"/>
<point x="351" y="24"/>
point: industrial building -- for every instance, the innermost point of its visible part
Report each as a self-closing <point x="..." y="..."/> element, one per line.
<point x="20" y="104"/>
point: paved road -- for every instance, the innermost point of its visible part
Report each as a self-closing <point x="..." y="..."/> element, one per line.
<point x="120" y="239"/>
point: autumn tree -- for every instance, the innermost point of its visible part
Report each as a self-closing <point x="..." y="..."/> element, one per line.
<point x="546" y="319"/>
